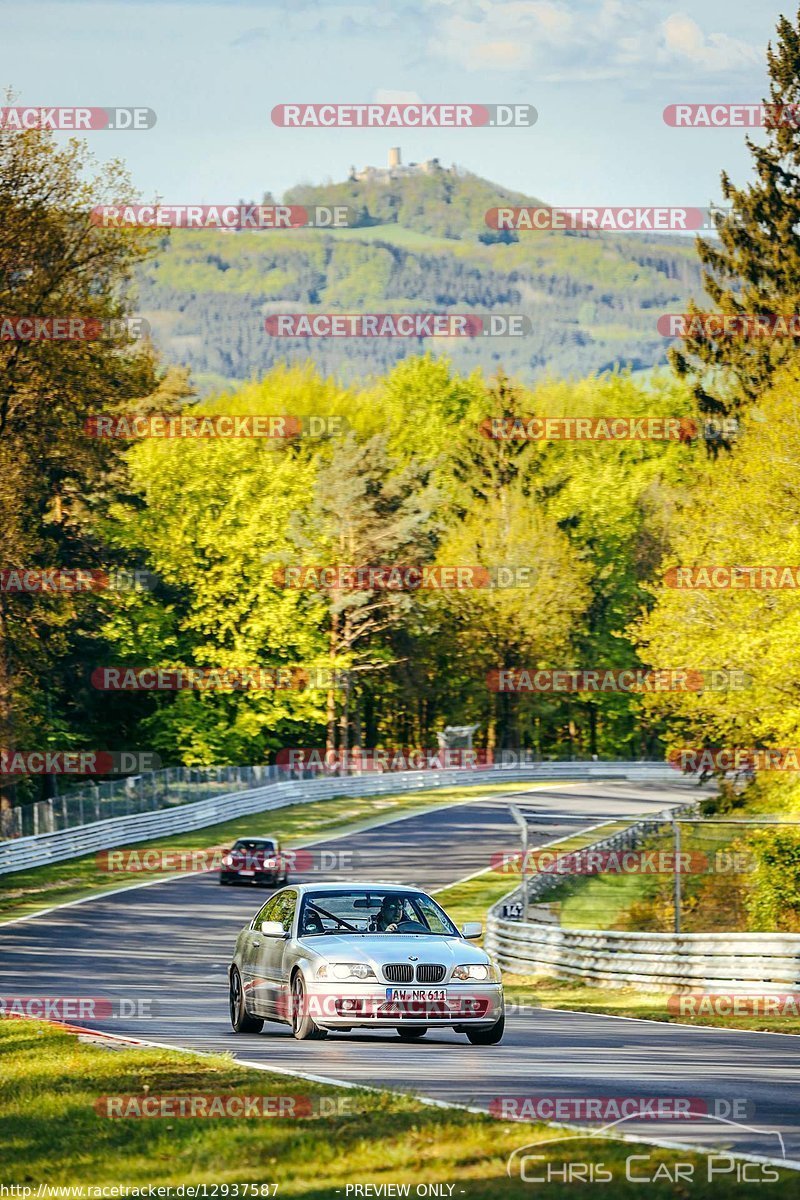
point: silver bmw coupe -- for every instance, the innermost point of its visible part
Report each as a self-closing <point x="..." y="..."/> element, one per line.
<point x="323" y="957"/>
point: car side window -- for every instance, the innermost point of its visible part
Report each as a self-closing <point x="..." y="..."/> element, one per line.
<point x="284" y="909"/>
<point x="267" y="913"/>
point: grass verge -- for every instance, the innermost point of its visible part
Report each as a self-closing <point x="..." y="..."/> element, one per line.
<point x="52" y="1082"/>
<point x="713" y="894"/>
<point x="471" y="899"/>
<point x="545" y="992"/>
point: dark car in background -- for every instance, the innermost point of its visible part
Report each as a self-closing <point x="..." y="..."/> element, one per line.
<point x="254" y="860"/>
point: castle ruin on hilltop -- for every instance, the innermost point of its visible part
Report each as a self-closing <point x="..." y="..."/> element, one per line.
<point x="395" y="169"/>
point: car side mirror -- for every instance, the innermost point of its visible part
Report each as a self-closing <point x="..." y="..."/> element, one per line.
<point x="471" y="930"/>
<point x="273" y="929"/>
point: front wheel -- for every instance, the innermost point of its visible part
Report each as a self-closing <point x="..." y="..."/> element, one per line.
<point x="304" y="1027"/>
<point x="411" y="1033"/>
<point x="488" y="1036"/>
<point x="241" y="1020"/>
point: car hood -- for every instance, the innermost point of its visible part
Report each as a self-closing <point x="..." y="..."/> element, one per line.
<point x="380" y="948"/>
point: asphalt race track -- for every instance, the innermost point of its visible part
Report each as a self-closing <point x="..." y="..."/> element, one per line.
<point x="169" y="945"/>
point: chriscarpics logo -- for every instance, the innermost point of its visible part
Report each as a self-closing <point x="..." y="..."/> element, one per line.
<point x="563" y="1158"/>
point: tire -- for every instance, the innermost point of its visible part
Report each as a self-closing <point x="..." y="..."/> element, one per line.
<point x="241" y="1021"/>
<point x="488" y="1036"/>
<point x="304" y="1027"/>
<point x="411" y="1033"/>
<point x="223" y="882"/>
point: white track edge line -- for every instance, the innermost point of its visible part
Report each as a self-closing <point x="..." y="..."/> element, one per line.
<point x="668" y="1144"/>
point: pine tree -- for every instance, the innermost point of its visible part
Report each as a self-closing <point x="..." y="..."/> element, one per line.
<point x="754" y="267"/>
<point x="369" y="510"/>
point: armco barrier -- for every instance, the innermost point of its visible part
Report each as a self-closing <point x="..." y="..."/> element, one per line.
<point x="22" y="853"/>
<point x="721" y="962"/>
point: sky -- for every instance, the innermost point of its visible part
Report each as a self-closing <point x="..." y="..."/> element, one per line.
<point x="599" y="73"/>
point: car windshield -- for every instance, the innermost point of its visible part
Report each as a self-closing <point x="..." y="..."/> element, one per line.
<point x="258" y="844"/>
<point x="360" y="911"/>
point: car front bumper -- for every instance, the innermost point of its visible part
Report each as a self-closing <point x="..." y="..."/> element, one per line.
<point x="269" y="878"/>
<point x="365" y="1006"/>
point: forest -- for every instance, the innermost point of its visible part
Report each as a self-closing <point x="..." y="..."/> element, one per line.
<point x="551" y="554"/>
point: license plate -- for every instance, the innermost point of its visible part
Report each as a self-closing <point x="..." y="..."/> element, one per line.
<point x="247" y="872"/>
<point x="416" y="994"/>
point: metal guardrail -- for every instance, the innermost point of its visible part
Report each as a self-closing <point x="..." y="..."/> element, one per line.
<point x="746" y="962"/>
<point x="23" y="853"/>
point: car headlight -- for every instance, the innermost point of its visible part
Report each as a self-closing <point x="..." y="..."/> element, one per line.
<point x="227" y="861"/>
<point x="477" y="972"/>
<point x="345" y="971"/>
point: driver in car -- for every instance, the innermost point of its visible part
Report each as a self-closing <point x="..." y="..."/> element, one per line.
<point x="389" y="914"/>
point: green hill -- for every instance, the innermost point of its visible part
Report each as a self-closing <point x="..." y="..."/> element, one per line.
<point x="446" y="203"/>
<point x="420" y="244"/>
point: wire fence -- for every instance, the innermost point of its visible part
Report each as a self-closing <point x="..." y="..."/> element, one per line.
<point x="680" y="873"/>
<point x="715" y="957"/>
<point x="149" y="792"/>
<point x="172" y="787"/>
